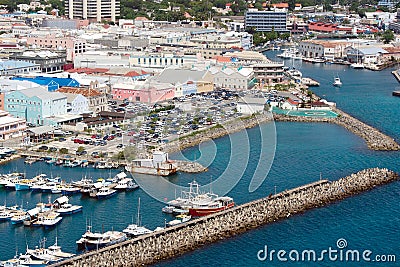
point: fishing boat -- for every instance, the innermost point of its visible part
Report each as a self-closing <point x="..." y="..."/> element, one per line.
<point x="24" y="184"/>
<point x="218" y="204"/>
<point x="179" y="219"/>
<point x="23" y="260"/>
<point x="337" y="82"/>
<point x="19" y="217"/>
<point x="90" y="240"/>
<point x="63" y="206"/>
<point x="51" y="254"/>
<point x="105" y="192"/>
<point x="50" y="219"/>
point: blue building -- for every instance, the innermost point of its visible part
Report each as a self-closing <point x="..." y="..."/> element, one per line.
<point x="35" y="105"/>
<point x="15" y="67"/>
<point x="51" y="83"/>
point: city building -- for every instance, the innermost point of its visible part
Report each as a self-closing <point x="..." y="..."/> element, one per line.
<point x="187" y="81"/>
<point x="251" y="105"/>
<point x="268" y="72"/>
<point x="96" y="101"/>
<point x="35" y="105"/>
<point x="15" y="67"/>
<point x="11" y="127"/>
<point x="266" y="21"/>
<point x="51" y="83"/>
<point x="50" y="62"/>
<point x="93" y="10"/>
<point x="233" y="79"/>
<point x="143" y="91"/>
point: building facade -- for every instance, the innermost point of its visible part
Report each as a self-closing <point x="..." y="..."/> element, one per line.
<point x="49" y="62"/>
<point x="94" y="10"/>
<point x="268" y="73"/>
<point x="266" y="21"/>
<point x="35" y="104"/>
<point x="11" y="127"/>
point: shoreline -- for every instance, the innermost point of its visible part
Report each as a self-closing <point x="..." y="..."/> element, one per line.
<point x="375" y="139"/>
<point x="177" y="240"/>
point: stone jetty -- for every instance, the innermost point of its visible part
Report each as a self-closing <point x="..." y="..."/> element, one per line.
<point x="177" y="240"/>
<point x="216" y="131"/>
<point x="375" y="139"/>
<point x="189" y="166"/>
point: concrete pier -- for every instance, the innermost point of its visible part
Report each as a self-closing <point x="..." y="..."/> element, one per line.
<point x="177" y="240"/>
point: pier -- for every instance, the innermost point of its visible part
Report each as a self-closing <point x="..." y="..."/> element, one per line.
<point x="174" y="241"/>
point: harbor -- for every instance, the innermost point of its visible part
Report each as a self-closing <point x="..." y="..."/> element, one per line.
<point x="177" y="240"/>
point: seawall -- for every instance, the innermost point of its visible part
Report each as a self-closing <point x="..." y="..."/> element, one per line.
<point x="177" y="240"/>
<point x="375" y="139"/>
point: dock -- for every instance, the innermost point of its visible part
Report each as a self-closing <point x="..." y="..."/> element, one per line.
<point x="174" y="241"/>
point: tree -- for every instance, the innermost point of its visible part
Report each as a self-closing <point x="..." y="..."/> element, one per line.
<point x="63" y="150"/>
<point x="387" y="36"/>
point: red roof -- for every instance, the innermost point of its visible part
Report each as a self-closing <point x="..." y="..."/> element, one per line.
<point x="131" y="74"/>
<point x="292" y="102"/>
<point x="322" y="27"/>
<point x="281" y="5"/>
<point x="222" y="59"/>
<point x="82" y="91"/>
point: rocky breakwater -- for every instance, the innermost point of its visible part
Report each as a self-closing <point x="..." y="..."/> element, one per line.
<point x="375" y="139"/>
<point x="216" y="131"/>
<point x="189" y="166"/>
<point x="179" y="239"/>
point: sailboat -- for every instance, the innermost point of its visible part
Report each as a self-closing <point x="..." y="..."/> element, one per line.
<point x="134" y="230"/>
<point x="337" y="82"/>
<point x="357" y="64"/>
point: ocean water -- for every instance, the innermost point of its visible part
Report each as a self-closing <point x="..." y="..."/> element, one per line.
<point x="304" y="153"/>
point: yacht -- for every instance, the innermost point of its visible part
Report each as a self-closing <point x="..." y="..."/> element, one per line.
<point x="105" y="192"/>
<point x="50" y="254"/>
<point x="126" y="184"/>
<point x="218" y="204"/>
<point x="179" y="219"/>
<point x="19" y="217"/>
<point x="51" y="219"/>
<point x="134" y="230"/>
<point x="357" y="65"/>
<point x="24" y="260"/>
<point x="90" y="240"/>
<point x="337" y="82"/>
<point x="63" y="206"/>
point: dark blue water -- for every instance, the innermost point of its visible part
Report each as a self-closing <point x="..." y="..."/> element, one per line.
<point x="304" y="152"/>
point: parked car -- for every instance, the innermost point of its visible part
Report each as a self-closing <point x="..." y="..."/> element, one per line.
<point x="81" y="153"/>
<point x="43" y="148"/>
<point x="52" y="149"/>
<point x="62" y="139"/>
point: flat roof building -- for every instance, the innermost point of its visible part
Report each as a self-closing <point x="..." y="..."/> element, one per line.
<point x="94" y="10"/>
<point x="265" y="21"/>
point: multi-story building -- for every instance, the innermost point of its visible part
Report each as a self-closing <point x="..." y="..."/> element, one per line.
<point x="35" y="105"/>
<point x="94" y="10"/>
<point x="161" y="60"/>
<point x="269" y="72"/>
<point x="11" y="127"/>
<point x="50" y="62"/>
<point x="233" y="79"/>
<point x="72" y="45"/>
<point x="14" y="67"/>
<point x="96" y="100"/>
<point x="266" y="21"/>
<point x="330" y="50"/>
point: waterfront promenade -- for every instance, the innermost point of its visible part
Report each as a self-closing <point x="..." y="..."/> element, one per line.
<point x="177" y="240"/>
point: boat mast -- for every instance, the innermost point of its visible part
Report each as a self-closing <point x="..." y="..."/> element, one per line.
<point x="138" y="213"/>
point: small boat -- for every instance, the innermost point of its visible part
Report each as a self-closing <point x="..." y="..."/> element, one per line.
<point x="51" y="219"/>
<point x="24" y="184"/>
<point x="19" y="217"/>
<point x="134" y="230"/>
<point x="126" y="184"/>
<point x="51" y="254"/>
<point x="337" y="82"/>
<point x="59" y="162"/>
<point x="30" y="160"/>
<point x="357" y="65"/>
<point x="168" y="209"/>
<point x="105" y="192"/>
<point x="23" y="260"/>
<point x="179" y="219"/>
<point x="64" y="208"/>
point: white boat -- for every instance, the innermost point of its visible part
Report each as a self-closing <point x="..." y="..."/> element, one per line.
<point x="357" y="65"/>
<point x="50" y="219"/>
<point x="90" y="240"/>
<point x="179" y="219"/>
<point x="126" y="184"/>
<point x="105" y="192"/>
<point x="50" y="254"/>
<point x="19" y="217"/>
<point x="337" y="82"/>
<point x="23" y="260"/>
<point x="159" y="165"/>
<point x="168" y="209"/>
<point x="135" y="230"/>
<point x="63" y="206"/>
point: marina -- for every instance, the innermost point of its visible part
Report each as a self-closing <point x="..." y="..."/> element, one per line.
<point x="187" y="236"/>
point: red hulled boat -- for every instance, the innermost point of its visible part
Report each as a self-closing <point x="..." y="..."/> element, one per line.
<point x="218" y="204"/>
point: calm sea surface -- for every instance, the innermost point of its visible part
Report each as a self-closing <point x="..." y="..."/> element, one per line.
<point x="304" y="152"/>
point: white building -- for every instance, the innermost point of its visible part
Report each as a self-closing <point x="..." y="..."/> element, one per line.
<point x="11" y="127"/>
<point x="77" y="103"/>
<point x="95" y="10"/>
<point x="233" y="79"/>
<point x="251" y="105"/>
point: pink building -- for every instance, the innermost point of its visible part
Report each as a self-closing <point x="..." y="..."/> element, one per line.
<point x="72" y="45"/>
<point x="143" y="92"/>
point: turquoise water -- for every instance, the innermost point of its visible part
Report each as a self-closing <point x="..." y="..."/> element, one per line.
<point x="304" y="152"/>
<point x="304" y="113"/>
